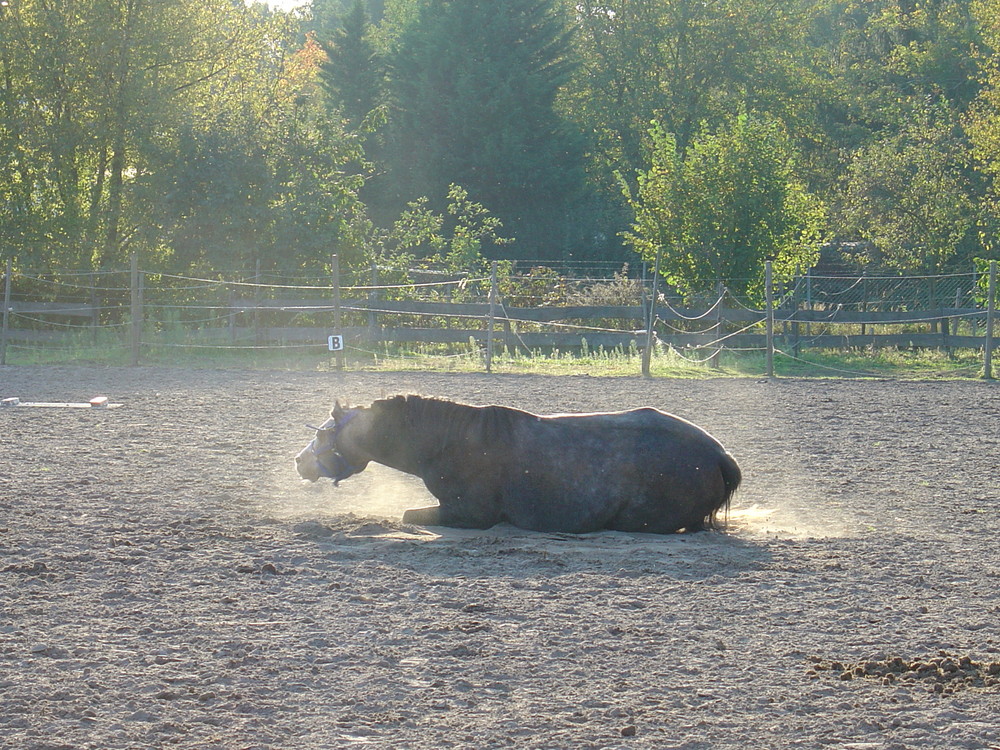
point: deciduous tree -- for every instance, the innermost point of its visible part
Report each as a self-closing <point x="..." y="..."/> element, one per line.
<point x="724" y="205"/>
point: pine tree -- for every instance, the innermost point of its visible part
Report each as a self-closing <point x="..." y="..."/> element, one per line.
<point x="351" y="75"/>
<point x="473" y="88"/>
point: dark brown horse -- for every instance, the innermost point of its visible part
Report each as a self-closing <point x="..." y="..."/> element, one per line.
<point x="641" y="470"/>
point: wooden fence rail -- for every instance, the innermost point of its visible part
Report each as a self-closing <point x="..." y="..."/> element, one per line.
<point x="261" y="322"/>
<point x="581" y="319"/>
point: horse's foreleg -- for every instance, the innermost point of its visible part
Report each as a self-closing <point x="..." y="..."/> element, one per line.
<point x="423" y="516"/>
<point x="438" y="515"/>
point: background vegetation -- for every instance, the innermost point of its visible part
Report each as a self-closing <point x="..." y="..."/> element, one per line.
<point x="219" y="135"/>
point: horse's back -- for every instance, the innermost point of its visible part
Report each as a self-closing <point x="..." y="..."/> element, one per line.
<point x="642" y="424"/>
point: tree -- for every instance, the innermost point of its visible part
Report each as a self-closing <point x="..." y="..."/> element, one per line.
<point x="723" y="206"/>
<point x="92" y="90"/>
<point x="452" y="241"/>
<point x="983" y="122"/>
<point x="49" y="129"/>
<point x="685" y="64"/>
<point x="193" y="132"/>
<point x="351" y="75"/>
<point x="328" y="15"/>
<point x="887" y="57"/>
<point x="472" y="89"/>
<point x="910" y="195"/>
<point x="270" y="176"/>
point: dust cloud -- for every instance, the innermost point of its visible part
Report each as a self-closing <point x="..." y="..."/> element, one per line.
<point x="383" y="493"/>
<point x="377" y="492"/>
<point x="794" y="519"/>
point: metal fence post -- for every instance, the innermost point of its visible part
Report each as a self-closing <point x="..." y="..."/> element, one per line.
<point x="991" y="303"/>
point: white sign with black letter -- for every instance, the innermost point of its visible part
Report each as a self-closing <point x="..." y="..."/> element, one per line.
<point x="336" y="343"/>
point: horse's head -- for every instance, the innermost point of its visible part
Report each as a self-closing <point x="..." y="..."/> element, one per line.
<point x="329" y="455"/>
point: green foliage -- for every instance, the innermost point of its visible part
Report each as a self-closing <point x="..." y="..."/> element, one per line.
<point x="983" y="124"/>
<point x="215" y="134"/>
<point x="910" y="195"/>
<point x="188" y="131"/>
<point x="541" y="285"/>
<point x="472" y="88"/>
<point x="351" y="75"/>
<point x="620" y="291"/>
<point x="981" y="293"/>
<point x="889" y="57"/>
<point x="723" y="206"/>
<point x="685" y="63"/>
<point x="451" y="242"/>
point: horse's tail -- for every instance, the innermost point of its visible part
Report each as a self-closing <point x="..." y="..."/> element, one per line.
<point x="731" y="476"/>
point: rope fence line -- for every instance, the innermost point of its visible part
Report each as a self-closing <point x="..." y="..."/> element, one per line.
<point x="165" y="311"/>
<point x="331" y="288"/>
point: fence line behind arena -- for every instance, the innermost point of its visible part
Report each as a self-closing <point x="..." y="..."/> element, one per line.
<point x="138" y="311"/>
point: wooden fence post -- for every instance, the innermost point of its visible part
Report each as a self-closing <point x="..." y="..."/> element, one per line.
<point x="95" y="315"/>
<point x="6" y="312"/>
<point x="864" y="298"/>
<point x="136" y="312"/>
<point x="258" y="336"/>
<point x="796" y="325"/>
<point x="769" y="297"/>
<point x="492" y="319"/>
<point x="809" y="299"/>
<point x="991" y="303"/>
<point x="232" y="316"/>
<point x="945" y="333"/>
<point x="647" y="352"/>
<point x="720" y="291"/>
<point x="335" y="270"/>
<point x="372" y="304"/>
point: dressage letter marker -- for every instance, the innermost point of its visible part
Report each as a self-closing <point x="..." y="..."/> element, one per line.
<point x="336" y="343"/>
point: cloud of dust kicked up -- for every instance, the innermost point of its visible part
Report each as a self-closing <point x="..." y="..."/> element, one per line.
<point x="377" y="492"/>
<point x="791" y="509"/>
<point x="793" y="513"/>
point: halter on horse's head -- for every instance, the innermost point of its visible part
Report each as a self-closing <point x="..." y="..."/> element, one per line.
<point x="322" y="457"/>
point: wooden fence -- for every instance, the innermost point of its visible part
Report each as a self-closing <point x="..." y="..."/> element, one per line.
<point x="278" y="322"/>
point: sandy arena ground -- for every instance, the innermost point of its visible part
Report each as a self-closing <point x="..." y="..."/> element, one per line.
<point x="167" y="581"/>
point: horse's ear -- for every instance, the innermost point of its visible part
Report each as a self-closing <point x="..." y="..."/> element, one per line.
<point x="338" y="411"/>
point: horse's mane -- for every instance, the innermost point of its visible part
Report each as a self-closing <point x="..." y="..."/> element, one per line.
<point x="443" y="418"/>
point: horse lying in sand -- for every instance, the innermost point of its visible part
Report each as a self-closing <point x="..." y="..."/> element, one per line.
<point x="641" y="470"/>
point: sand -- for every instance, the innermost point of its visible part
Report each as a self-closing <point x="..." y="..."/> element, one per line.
<point x="166" y="580"/>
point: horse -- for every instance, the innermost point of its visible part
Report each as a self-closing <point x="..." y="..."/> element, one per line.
<point x="636" y="471"/>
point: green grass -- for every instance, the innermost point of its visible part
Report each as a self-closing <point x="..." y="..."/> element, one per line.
<point x="927" y="364"/>
<point x="183" y="350"/>
<point x="921" y="364"/>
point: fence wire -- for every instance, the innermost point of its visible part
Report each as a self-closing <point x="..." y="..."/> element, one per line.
<point x="260" y="312"/>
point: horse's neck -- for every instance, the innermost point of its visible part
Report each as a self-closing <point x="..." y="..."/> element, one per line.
<point x="414" y="434"/>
